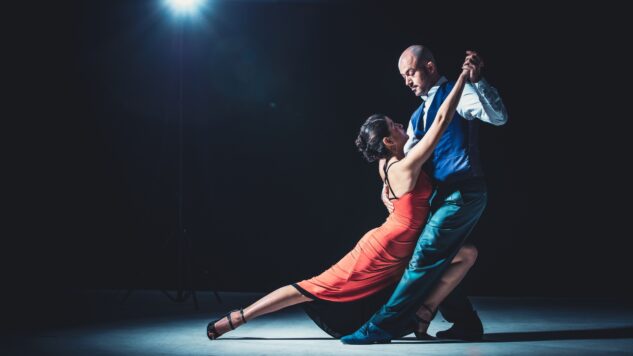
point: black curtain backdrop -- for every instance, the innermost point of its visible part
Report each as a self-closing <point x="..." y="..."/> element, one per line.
<point x="274" y="93"/>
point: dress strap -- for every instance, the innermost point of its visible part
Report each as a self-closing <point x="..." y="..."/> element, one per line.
<point x="387" y="166"/>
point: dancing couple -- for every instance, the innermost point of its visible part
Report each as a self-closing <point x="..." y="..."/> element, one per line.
<point x="401" y="273"/>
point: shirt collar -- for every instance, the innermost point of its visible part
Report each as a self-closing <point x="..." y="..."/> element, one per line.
<point x="434" y="88"/>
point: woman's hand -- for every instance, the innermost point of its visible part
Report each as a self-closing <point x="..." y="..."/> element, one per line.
<point x="385" y="199"/>
<point x="465" y="74"/>
<point x="472" y="65"/>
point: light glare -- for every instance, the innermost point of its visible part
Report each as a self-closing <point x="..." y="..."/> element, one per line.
<point x="184" y="7"/>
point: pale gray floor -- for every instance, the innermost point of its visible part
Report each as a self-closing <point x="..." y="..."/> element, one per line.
<point x="149" y="324"/>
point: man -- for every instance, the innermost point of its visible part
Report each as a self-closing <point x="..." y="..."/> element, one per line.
<point x="458" y="201"/>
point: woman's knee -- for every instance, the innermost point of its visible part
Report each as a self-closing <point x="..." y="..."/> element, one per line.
<point x="468" y="254"/>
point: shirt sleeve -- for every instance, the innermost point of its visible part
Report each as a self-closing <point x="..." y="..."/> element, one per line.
<point x="482" y="101"/>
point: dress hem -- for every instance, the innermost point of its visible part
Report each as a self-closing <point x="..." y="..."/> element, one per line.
<point x="305" y="292"/>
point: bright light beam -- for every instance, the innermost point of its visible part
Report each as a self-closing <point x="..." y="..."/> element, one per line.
<point x="184" y="7"/>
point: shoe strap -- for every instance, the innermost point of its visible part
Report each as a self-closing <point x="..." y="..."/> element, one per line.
<point x="228" y="317"/>
<point x="430" y="311"/>
<point x="242" y="314"/>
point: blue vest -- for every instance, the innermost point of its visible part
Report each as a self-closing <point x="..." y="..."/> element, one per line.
<point x="456" y="156"/>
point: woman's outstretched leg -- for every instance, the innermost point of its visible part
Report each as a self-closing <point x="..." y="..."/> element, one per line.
<point x="271" y="302"/>
<point x="459" y="267"/>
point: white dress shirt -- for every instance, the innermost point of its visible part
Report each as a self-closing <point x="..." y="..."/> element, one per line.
<point x="479" y="101"/>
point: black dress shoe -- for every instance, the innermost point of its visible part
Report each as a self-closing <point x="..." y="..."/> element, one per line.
<point x="471" y="330"/>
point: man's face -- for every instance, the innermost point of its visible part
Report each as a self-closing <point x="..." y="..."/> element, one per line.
<point x="416" y="74"/>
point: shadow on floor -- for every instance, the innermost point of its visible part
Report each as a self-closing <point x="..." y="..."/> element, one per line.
<point x="583" y="334"/>
<point x="587" y="334"/>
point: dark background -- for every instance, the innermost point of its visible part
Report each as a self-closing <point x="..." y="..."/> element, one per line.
<point x="273" y="95"/>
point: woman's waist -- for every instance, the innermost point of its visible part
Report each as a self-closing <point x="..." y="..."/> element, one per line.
<point x="406" y="220"/>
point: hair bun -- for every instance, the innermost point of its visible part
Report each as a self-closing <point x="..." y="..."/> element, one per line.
<point x="369" y="140"/>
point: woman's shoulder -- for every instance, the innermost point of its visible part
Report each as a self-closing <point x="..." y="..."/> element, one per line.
<point x="394" y="169"/>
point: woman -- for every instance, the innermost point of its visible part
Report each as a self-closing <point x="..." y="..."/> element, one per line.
<point x="342" y="298"/>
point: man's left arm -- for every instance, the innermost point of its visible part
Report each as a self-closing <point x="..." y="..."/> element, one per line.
<point x="480" y="100"/>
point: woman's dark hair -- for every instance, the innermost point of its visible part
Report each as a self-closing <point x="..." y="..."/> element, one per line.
<point x="369" y="140"/>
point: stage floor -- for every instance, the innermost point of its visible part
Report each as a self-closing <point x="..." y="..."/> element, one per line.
<point x="149" y="324"/>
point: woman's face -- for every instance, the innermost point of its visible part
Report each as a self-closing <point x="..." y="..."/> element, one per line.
<point x="398" y="135"/>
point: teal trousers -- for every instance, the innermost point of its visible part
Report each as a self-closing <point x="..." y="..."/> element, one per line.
<point x="455" y="210"/>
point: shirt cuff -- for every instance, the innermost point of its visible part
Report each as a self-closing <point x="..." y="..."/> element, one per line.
<point x="481" y="84"/>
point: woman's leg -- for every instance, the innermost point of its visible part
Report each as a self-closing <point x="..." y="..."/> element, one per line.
<point x="459" y="267"/>
<point x="276" y="300"/>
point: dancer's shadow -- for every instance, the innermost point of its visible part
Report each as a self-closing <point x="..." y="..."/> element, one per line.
<point x="583" y="334"/>
<point x="278" y="338"/>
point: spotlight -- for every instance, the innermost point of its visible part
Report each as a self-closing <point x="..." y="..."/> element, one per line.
<point x="184" y="7"/>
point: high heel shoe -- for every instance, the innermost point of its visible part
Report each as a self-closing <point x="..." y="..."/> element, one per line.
<point x="424" y="335"/>
<point x="213" y="334"/>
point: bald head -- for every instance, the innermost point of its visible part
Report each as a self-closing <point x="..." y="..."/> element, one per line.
<point x="417" y="53"/>
<point x="417" y="67"/>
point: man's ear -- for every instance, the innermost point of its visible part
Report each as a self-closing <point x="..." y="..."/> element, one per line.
<point x="430" y="66"/>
